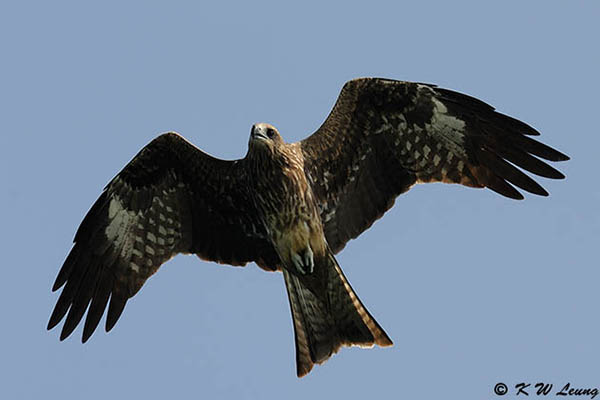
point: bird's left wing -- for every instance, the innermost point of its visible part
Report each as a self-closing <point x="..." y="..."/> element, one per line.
<point x="171" y="198"/>
<point x="383" y="136"/>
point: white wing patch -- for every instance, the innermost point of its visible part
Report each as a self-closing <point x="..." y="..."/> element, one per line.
<point x="139" y="237"/>
<point x="121" y="223"/>
<point x="448" y="129"/>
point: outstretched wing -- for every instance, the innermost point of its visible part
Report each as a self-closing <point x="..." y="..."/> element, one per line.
<point x="171" y="198"/>
<point x="383" y="136"/>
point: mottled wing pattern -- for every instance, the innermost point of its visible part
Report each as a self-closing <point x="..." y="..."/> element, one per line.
<point x="171" y="198"/>
<point x="383" y="136"/>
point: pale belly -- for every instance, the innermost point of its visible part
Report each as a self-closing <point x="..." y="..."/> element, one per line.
<point x="299" y="242"/>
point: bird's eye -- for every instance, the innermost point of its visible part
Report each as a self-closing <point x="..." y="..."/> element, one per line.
<point x="270" y="133"/>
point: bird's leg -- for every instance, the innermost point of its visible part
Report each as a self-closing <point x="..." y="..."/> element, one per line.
<point x="308" y="260"/>
<point x="303" y="261"/>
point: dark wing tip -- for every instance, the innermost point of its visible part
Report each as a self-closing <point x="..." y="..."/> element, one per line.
<point x="502" y="144"/>
<point x="98" y="306"/>
<point x="561" y="157"/>
<point x="86" y="337"/>
<point x="54" y="320"/>
<point x="504" y="188"/>
<point x="65" y="334"/>
<point x="115" y="309"/>
<point x="501" y="170"/>
<point x="57" y="285"/>
<point x="551" y="154"/>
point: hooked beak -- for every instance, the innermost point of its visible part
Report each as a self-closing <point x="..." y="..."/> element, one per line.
<point x="256" y="133"/>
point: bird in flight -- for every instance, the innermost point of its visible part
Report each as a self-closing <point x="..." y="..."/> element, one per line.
<point x="291" y="207"/>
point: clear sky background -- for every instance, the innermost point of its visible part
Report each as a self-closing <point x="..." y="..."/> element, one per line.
<point x="473" y="288"/>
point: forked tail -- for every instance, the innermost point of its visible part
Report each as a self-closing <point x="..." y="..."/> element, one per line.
<point x="329" y="319"/>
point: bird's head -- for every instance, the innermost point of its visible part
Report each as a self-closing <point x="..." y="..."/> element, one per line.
<point x="265" y="135"/>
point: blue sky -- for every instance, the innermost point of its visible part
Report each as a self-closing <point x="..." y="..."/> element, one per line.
<point x="473" y="288"/>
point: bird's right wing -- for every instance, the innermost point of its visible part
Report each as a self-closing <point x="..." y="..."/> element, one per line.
<point x="171" y="198"/>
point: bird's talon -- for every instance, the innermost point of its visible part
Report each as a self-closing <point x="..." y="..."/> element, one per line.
<point x="308" y="260"/>
<point x="297" y="260"/>
<point x="304" y="262"/>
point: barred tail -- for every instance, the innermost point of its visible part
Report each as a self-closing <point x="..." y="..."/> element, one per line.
<point x="324" y="323"/>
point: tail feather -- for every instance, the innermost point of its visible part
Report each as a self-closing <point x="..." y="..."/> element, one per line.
<point x="323" y="322"/>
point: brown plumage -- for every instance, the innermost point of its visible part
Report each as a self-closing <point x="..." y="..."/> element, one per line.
<point x="291" y="207"/>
